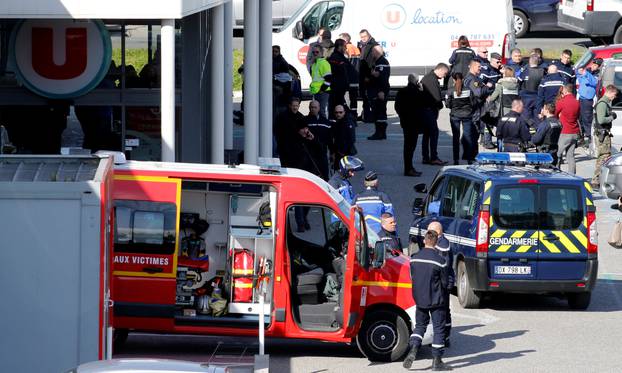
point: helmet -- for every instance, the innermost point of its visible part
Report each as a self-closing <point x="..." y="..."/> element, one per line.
<point x="350" y="163"/>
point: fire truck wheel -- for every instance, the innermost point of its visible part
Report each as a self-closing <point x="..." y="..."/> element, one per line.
<point x="119" y="336"/>
<point x="383" y="336"/>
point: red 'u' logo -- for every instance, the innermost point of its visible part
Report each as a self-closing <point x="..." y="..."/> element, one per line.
<point x="394" y="16"/>
<point x="43" y="53"/>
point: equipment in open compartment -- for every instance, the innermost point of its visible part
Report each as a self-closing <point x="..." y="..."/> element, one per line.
<point x="243" y="271"/>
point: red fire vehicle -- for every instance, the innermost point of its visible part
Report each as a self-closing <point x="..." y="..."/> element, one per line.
<point x="193" y="243"/>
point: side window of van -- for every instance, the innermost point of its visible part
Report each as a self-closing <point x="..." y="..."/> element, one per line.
<point x="453" y="195"/>
<point x="433" y="204"/>
<point x="145" y="227"/>
<point x="324" y="14"/>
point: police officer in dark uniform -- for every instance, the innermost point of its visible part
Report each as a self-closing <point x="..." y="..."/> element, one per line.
<point x="479" y="93"/>
<point x="529" y="79"/>
<point x="549" y="87"/>
<point x="388" y="233"/>
<point x="444" y="249"/>
<point x="492" y="73"/>
<point x="513" y="131"/>
<point x="373" y="202"/>
<point x="321" y="128"/>
<point x="344" y="135"/>
<point x="348" y="165"/>
<point x="547" y="134"/>
<point x="378" y="92"/>
<point x="461" y="57"/>
<point x="430" y="276"/>
<point x="564" y="66"/>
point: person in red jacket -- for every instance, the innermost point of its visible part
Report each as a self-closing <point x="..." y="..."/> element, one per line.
<point x="568" y="110"/>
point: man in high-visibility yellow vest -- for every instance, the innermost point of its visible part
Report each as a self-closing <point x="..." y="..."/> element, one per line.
<point x="320" y="79"/>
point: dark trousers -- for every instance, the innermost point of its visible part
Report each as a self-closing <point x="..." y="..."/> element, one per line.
<point x="586" y="116"/>
<point x="529" y="108"/>
<point x="410" y="144"/>
<point x="422" y="319"/>
<point x="488" y="125"/>
<point x="430" y="135"/>
<point x="468" y="139"/>
<point x="447" y="317"/>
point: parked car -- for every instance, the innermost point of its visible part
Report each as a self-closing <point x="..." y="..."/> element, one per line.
<point x="281" y="11"/>
<point x="600" y="20"/>
<point x="534" y="15"/>
<point x="605" y="52"/>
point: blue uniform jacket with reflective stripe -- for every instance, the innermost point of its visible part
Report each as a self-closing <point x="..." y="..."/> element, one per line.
<point x="343" y="186"/>
<point x="374" y="203"/>
<point x="429" y="274"/>
<point x="549" y="88"/>
<point x="444" y="248"/>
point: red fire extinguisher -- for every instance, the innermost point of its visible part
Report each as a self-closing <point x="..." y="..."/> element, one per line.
<point x="243" y="268"/>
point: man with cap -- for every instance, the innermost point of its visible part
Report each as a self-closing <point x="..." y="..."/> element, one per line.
<point x="388" y="233"/>
<point x="444" y="249"/>
<point x="430" y="279"/>
<point x="587" y="78"/>
<point x="373" y="202"/>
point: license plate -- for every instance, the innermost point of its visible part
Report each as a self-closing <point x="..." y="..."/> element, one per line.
<point x="512" y="270"/>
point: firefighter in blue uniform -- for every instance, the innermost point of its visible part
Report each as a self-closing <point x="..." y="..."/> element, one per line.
<point x="388" y="233"/>
<point x="513" y="131"/>
<point x="373" y="202"/>
<point x="564" y="66"/>
<point x="348" y="165"/>
<point x="549" y="87"/>
<point x="529" y="79"/>
<point x="430" y="277"/>
<point x="444" y="249"/>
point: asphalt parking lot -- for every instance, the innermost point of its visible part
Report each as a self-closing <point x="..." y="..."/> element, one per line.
<point x="511" y="333"/>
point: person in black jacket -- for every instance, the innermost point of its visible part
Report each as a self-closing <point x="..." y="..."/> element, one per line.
<point x="288" y="140"/>
<point x="321" y="128"/>
<point x="388" y="233"/>
<point x="432" y="103"/>
<point x="378" y="92"/>
<point x="461" y="57"/>
<point x="344" y="135"/>
<point x="340" y="82"/>
<point x="460" y="103"/>
<point x="365" y="45"/>
<point x="430" y="277"/>
<point x="547" y="134"/>
<point x="479" y="92"/>
<point x="513" y="130"/>
<point x="407" y="106"/>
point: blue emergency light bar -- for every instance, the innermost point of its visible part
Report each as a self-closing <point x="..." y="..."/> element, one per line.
<point x="514" y="158"/>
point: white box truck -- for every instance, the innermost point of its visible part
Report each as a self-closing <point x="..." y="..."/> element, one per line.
<point x="415" y="34"/>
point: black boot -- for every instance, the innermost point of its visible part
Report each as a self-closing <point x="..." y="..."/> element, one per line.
<point x="411" y="357"/>
<point x="377" y="133"/>
<point x="438" y="365"/>
<point x="383" y="129"/>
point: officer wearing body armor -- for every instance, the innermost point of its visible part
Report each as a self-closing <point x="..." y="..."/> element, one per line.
<point x="603" y="119"/>
<point x="388" y="233"/>
<point x="479" y="93"/>
<point x="546" y="137"/>
<point x="430" y="277"/>
<point x="513" y="131"/>
<point x="348" y="166"/>
<point x="549" y="87"/>
<point x="529" y="79"/>
<point x="373" y="202"/>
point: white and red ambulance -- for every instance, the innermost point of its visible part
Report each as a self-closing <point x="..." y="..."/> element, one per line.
<point x="194" y="243"/>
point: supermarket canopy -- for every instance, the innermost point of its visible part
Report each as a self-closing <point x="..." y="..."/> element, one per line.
<point x="108" y="9"/>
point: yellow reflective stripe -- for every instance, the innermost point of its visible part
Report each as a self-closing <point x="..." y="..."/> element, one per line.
<point x="242" y="285"/>
<point x="487" y="201"/>
<point x="588" y="202"/>
<point x="242" y="271"/>
<point x="525" y="248"/>
<point x="588" y="186"/>
<point x="566" y="242"/>
<point x="373" y="218"/>
<point x="551" y="247"/>
<point x="487" y="186"/>
<point x="516" y="234"/>
<point x="385" y="284"/>
<point x="585" y="221"/>
<point x="581" y="237"/>
<point x="498" y="233"/>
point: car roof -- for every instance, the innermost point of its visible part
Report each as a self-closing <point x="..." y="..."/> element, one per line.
<point x="507" y="173"/>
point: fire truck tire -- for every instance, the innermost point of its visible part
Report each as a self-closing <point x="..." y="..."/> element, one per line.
<point x="119" y="337"/>
<point x="383" y="336"/>
<point x="467" y="297"/>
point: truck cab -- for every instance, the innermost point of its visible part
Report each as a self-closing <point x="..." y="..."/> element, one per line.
<point x="516" y="225"/>
<point x="195" y="245"/>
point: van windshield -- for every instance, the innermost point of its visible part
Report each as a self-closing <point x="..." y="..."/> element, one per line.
<point x="587" y="57"/>
<point x="546" y="207"/>
<point x="295" y="16"/>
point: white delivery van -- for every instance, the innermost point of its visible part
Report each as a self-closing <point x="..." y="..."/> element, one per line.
<point x="415" y="34"/>
<point x="599" y="20"/>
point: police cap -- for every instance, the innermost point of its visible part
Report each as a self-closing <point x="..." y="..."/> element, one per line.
<point x="371" y="176"/>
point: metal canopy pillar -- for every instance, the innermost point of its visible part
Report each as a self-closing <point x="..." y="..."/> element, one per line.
<point x="217" y="85"/>
<point x="228" y="73"/>
<point x="167" y="90"/>
<point x="251" y="81"/>
<point x="265" y="77"/>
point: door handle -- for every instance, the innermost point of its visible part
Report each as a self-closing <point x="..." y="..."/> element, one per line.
<point x="152" y="269"/>
<point x="551" y="237"/>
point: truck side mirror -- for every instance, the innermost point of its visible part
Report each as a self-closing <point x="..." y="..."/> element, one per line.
<point x="298" y="31"/>
<point x="421" y="188"/>
<point x="418" y="206"/>
<point x="379" y="254"/>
